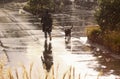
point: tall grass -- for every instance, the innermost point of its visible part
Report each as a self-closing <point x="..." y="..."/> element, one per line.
<point x="31" y="66"/>
<point x="69" y="74"/>
<point x="1" y="71"/>
<point x="10" y="75"/>
<point x="16" y="73"/>
<point x="25" y="73"/>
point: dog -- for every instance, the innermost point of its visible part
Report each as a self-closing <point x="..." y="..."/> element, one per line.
<point x="67" y="32"/>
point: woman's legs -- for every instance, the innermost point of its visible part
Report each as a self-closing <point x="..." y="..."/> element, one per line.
<point x="50" y="35"/>
<point x="45" y="34"/>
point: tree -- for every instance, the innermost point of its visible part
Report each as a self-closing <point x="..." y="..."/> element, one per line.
<point x="37" y="6"/>
<point x="108" y="14"/>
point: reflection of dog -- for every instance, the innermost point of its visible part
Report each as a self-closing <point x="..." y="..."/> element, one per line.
<point x="68" y="33"/>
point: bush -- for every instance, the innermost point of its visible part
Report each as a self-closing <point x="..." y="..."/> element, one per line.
<point x="112" y="41"/>
<point x="109" y="39"/>
<point x="93" y="32"/>
<point x="36" y="7"/>
<point x="107" y="15"/>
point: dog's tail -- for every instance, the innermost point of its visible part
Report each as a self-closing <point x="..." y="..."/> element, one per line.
<point x="71" y="27"/>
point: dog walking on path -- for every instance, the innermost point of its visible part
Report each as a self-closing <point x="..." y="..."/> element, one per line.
<point x="68" y="33"/>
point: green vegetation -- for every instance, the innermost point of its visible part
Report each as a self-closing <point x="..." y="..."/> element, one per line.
<point x="107" y="15"/>
<point x="108" y="18"/>
<point x="37" y="6"/>
<point x="109" y="39"/>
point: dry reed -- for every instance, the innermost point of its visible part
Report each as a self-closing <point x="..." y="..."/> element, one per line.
<point x="69" y="74"/>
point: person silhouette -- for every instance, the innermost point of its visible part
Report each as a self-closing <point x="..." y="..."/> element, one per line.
<point x="47" y="58"/>
<point x="46" y="21"/>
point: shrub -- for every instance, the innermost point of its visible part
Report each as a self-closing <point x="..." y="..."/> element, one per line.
<point x="109" y="39"/>
<point x="107" y="15"/>
<point x="112" y="41"/>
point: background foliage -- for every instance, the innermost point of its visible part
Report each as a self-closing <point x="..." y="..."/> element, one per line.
<point x="107" y="15"/>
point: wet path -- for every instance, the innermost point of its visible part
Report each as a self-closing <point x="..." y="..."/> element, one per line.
<point x="23" y="43"/>
<point x="90" y="62"/>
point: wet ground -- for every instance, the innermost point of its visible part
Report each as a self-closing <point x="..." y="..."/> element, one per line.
<point x="22" y="43"/>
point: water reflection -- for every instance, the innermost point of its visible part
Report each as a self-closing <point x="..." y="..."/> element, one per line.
<point x="108" y="65"/>
<point x="47" y="58"/>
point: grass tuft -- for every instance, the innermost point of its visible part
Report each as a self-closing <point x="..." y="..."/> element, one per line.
<point x="31" y="66"/>
<point x="16" y="72"/>
<point x="69" y="74"/>
<point x="10" y="76"/>
<point x="25" y="73"/>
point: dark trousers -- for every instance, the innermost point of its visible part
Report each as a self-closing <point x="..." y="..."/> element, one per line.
<point x="47" y="33"/>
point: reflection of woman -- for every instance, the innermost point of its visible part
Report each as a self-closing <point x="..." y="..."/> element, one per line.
<point x="47" y="58"/>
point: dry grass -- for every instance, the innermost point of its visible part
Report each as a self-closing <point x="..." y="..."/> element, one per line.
<point x="16" y="73"/>
<point x="109" y="39"/>
<point x="1" y="71"/>
<point x="69" y="74"/>
<point x="89" y="29"/>
<point x="31" y="66"/>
